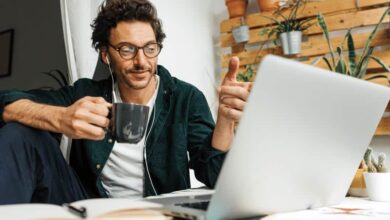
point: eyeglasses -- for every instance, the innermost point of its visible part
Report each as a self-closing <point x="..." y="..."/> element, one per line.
<point x="128" y="51"/>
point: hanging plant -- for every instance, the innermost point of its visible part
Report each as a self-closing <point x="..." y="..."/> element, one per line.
<point x="289" y="28"/>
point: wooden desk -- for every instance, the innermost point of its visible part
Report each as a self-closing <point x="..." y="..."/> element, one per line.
<point x="351" y="208"/>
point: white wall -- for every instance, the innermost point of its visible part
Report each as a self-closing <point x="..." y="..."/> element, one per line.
<point x="188" y="49"/>
<point x="38" y="42"/>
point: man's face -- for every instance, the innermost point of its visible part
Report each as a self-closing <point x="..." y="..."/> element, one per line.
<point x="136" y="73"/>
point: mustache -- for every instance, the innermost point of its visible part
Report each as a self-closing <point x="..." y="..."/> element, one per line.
<point x="138" y="69"/>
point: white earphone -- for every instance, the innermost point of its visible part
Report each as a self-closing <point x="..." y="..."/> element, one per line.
<point x="112" y="79"/>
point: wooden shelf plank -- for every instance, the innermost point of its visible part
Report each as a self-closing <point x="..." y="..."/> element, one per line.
<point x="381" y="81"/>
<point x="383" y="55"/>
<point x="372" y="65"/>
<point x="335" y="22"/>
<point x="250" y="57"/>
<point x="315" y="46"/>
<point x="311" y="9"/>
<point x="383" y="127"/>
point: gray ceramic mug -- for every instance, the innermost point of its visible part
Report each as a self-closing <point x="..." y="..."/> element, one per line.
<point x="129" y="122"/>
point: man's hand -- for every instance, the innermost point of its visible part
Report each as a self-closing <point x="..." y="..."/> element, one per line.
<point x="233" y="94"/>
<point x="86" y="119"/>
<point x="232" y="99"/>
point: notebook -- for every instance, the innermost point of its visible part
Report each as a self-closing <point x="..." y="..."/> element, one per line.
<point x="89" y="208"/>
<point x="301" y="138"/>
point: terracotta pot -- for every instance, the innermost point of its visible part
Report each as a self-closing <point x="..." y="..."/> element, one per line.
<point x="268" y="5"/>
<point x="358" y="185"/>
<point x="236" y="8"/>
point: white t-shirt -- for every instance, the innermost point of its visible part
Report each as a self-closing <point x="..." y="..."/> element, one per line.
<point x="123" y="174"/>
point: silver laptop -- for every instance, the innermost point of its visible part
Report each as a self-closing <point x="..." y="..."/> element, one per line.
<point x="300" y="140"/>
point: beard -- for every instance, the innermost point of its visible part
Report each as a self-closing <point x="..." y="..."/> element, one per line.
<point x="138" y="77"/>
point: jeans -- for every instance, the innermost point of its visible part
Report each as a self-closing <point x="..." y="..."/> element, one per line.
<point x="33" y="169"/>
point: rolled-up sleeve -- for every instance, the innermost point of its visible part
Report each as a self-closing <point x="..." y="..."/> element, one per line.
<point x="205" y="160"/>
<point x="60" y="97"/>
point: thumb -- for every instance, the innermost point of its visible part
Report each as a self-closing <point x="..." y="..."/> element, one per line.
<point x="234" y="64"/>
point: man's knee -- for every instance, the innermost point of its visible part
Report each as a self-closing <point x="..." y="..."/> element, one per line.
<point x="29" y="162"/>
<point x="16" y="136"/>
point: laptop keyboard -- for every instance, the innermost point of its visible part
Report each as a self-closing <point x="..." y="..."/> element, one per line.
<point x="195" y="205"/>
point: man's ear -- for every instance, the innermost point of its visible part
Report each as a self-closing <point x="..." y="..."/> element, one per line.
<point x="104" y="55"/>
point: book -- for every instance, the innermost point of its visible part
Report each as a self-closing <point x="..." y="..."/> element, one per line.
<point x="94" y="209"/>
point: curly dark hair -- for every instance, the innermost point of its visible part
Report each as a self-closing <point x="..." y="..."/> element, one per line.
<point x="114" y="11"/>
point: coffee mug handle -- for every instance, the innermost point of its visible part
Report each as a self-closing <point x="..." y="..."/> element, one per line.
<point x="109" y="116"/>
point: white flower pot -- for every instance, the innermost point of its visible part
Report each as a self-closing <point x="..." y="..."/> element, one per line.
<point x="378" y="186"/>
<point x="291" y="42"/>
<point x="241" y="34"/>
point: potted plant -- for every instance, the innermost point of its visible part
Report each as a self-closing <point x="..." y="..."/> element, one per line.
<point x="365" y="182"/>
<point x="236" y="8"/>
<point x="60" y="77"/>
<point x="377" y="178"/>
<point x="241" y="33"/>
<point x="268" y="5"/>
<point x="353" y="67"/>
<point x="288" y="28"/>
<point x="358" y="185"/>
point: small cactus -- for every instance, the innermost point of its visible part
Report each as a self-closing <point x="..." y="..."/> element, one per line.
<point x="368" y="159"/>
<point x="381" y="167"/>
<point x="374" y="166"/>
<point x="373" y="161"/>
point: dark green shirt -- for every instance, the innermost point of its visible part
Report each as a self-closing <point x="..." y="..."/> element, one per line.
<point x="183" y="123"/>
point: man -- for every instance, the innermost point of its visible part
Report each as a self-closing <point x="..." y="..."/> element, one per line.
<point x="129" y="36"/>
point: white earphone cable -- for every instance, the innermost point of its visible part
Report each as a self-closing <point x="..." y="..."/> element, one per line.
<point x="145" y="157"/>
<point x="150" y="129"/>
<point x="146" y="139"/>
<point x="112" y="80"/>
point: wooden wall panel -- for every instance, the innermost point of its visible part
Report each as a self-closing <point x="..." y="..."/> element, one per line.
<point x="311" y="9"/>
<point x="335" y="22"/>
<point x="383" y="127"/>
<point x="340" y="15"/>
<point x="316" y="45"/>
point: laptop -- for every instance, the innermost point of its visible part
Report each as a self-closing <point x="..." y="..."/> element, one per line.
<point x="301" y="138"/>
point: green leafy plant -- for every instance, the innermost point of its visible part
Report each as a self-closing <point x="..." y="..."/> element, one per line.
<point x="289" y="27"/>
<point x="353" y="67"/>
<point x="60" y="77"/>
<point x="288" y="23"/>
<point x="246" y="76"/>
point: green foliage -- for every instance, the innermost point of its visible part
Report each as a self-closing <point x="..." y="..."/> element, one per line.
<point x="373" y="165"/>
<point x="60" y="77"/>
<point x="288" y="23"/>
<point x="246" y="76"/>
<point x="352" y="66"/>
